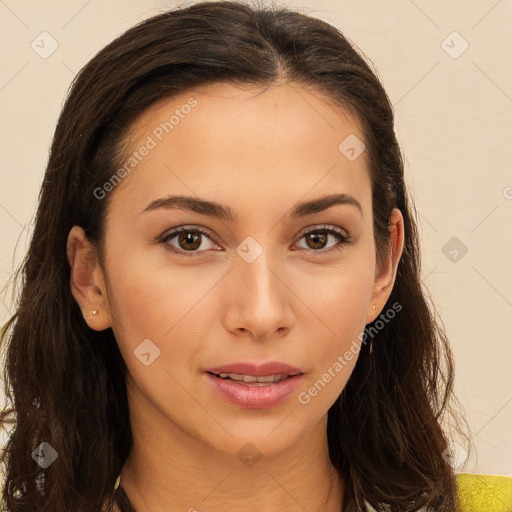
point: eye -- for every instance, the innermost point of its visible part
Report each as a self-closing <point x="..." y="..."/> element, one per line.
<point x="317" y="239"/>
<point x="189" y="241"/>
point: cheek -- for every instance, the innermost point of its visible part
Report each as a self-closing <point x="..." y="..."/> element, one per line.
<point x="333" y="355"/>
<point x="162" y="304"/>
<point x="338" y="301"/>
<point x="148" y="298"/>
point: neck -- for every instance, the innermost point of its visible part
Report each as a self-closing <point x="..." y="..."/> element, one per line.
<point x="272" y="492"/>
<point x="170" y="469"/>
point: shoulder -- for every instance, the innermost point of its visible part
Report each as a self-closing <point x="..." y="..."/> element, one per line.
<point x="484" y="492"/>
<point x="479" y="493"/>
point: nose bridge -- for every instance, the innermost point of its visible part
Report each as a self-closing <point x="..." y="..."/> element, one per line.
<point x="260" y="301"/>
<point x="259" y="278"/>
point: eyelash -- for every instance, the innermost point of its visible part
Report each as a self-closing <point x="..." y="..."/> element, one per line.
<point x="343" y="237"/>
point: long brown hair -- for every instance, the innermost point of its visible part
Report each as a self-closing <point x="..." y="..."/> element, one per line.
<point x="66" y="382"/>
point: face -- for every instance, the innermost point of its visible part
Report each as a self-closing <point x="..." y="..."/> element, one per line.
<point x="241" y="235"/>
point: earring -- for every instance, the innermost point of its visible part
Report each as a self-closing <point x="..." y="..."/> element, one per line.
<point x="94" y="312"/>
<point x="374" y="307"/>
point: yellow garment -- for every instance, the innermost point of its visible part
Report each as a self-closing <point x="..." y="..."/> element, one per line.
<point x="484" y="493"/>
<point x="479" y="493"/>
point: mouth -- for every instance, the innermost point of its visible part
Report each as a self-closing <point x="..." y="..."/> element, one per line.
<point x="251" y="389"/>
<point x="254" y="380"/>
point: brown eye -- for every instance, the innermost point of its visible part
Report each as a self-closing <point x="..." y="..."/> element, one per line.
<point x="189" y="241"/>
<point x="317" y="239"/>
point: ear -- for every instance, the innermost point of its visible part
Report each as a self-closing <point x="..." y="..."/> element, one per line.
<point x="87" y="283"/>
<point x="386" y="272"/>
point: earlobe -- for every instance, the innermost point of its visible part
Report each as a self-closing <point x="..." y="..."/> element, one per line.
<point x="86" y="280"/>
<point x="386" y="273"/>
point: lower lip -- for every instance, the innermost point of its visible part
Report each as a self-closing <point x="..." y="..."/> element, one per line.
<point x="254" y="397"/>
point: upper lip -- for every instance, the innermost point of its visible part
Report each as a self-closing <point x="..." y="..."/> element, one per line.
<point x="258" y="370"/>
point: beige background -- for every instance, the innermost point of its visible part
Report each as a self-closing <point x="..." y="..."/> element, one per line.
<point x="453" y="119"/>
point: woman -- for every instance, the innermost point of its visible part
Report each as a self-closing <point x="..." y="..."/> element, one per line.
<point x="222" y="303"/>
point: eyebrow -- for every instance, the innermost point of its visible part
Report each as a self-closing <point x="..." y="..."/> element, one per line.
<point x="213" y="209"/>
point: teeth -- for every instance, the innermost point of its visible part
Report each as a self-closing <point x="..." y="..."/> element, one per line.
<point x="249" y="379"/>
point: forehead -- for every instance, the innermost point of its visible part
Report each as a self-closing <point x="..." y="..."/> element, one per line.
<point x="282" y="139"/>
<point x="277" y="106"/>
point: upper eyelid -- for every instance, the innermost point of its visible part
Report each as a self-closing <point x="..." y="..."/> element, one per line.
<point x="175" y="231"/>
<point x="322" y="227"/>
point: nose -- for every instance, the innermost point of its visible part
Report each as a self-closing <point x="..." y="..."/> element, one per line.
<point x="258" y="299"/>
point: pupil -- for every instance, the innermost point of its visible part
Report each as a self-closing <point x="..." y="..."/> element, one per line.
<point x="317" y="236"/>
<point x="189" y="238"/>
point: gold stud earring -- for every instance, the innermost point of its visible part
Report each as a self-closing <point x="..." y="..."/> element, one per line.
<point x="94" y="312"/>
<point x="374" y="307"/>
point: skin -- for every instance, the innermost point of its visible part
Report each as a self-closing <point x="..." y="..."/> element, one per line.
<point x="259" y="152"/>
